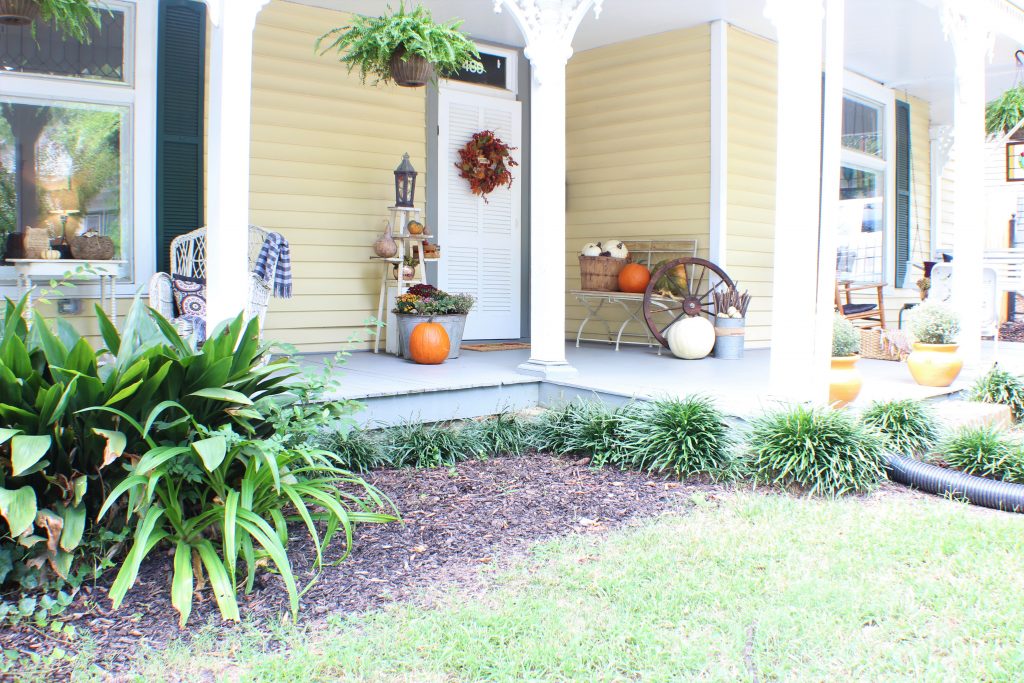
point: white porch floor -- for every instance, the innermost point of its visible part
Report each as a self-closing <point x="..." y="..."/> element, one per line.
<point x="477" y="382"/>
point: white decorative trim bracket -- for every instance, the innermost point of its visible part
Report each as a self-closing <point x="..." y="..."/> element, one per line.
<point x="548" y="27"/>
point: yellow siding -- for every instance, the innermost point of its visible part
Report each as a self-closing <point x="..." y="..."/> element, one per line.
<point x="638" y="132"/>
<point x="750" y="213"/>
<point x="323" y="151"/>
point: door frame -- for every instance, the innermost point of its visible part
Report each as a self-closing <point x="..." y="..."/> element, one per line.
<point x="519" y="80"/>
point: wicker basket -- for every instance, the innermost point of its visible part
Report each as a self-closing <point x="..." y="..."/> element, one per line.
<point x="601" y="273"/>
<point x="92" y="247"/>
<point x="876" y="344"/>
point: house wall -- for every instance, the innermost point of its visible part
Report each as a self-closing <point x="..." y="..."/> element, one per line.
<point x="750" y="213"/>
<point x="324" y="148"/>
<point x="638" y="135"/>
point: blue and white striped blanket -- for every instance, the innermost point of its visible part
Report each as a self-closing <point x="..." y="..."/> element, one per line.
<point x="275" y="261"/>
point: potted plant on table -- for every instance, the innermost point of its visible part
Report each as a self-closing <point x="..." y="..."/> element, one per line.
<point x="407" y="48"/>
<point x="844" y="380"/>
<point x="73" y="18"/>
<point x="935" y="361"/>
<point x="426" y="303"/>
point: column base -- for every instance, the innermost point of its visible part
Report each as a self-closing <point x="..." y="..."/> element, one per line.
<point x="550" y="370"/>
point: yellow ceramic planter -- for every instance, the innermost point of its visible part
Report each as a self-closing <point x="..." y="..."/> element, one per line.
<point x="844" y="381"/>
<point x="935" y="365"/>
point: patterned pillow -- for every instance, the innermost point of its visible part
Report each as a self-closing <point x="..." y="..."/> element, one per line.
<point x="189" y="296"/>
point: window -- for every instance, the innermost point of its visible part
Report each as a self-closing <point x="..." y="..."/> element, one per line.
<point x="48" y="52"/>
<point x="76" y="138"/>
<point x="61" y="168"/>
<point x="865" y="197"/>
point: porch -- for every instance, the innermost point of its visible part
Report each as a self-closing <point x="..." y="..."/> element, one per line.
<point x="485" y="383"/>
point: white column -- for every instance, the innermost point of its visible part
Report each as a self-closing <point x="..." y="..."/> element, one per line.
<point x="831" y="150"/>
<point x="799" y="365"/>
<point x="227" y="180"/>
<point x="719" y="200"/>
<point x="972" y="41"/>
<point x="548" y="26"/>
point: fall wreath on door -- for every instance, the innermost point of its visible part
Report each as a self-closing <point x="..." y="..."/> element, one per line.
<point x="485" y="161"/>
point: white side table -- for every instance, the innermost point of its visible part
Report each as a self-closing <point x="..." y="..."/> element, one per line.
<point x="31" y="270"/>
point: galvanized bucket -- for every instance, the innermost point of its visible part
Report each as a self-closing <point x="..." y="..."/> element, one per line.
<point x="729" y="336"/>
<point x="452" y="324"/>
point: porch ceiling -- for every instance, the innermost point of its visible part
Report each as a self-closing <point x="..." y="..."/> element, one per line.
<point x="897" y="42"/>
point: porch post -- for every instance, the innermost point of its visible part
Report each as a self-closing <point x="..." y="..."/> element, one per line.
<point x="831" y="155"/>
<point x="228" y="132"/>
<point x="971" y="39"/>
<point x="548" y="26"/>
<point x="799" y="365"/>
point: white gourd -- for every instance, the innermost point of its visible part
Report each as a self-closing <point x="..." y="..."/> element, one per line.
<point x="691" y="338"/>
<point x="590" y="249"/>
<point x="614" y="248"/>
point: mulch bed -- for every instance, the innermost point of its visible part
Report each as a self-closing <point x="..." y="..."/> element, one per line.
<point x="457" y="521"/>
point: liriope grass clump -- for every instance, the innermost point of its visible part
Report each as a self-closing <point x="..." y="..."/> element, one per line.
<point x="357" y="450"/>
<point x="428" y="445"/>
<point x="824" y="451"/>
<point x="502" y="434"/>
<point x="683" y="437"/>
<point x="909" y="427"/>
<point x="588" y="428"/>
<point x="1000" y="386"/>
<point x="985" y="451"/>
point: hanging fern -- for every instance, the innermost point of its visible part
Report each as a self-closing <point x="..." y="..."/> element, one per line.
<point x="369" y="43"/>
<point x="1004" y="112"/>
<point x="72" y="18"/>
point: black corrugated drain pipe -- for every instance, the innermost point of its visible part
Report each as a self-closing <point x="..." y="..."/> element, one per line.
<point x="990" y="493"/>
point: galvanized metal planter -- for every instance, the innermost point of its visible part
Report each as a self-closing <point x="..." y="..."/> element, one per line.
<point x="729" y="338"/>
<point x="454" y="325"/>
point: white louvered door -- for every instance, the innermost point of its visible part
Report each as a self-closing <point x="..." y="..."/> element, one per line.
<point x="480" y="241"/>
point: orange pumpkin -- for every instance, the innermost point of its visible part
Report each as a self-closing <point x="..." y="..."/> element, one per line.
<point x="429" y="344"/>
<point x="634" y="278"/>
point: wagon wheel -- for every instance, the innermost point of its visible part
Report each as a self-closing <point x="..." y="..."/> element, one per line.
<point x="680" y="288"/>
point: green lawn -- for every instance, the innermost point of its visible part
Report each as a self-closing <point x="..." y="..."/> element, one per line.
<point x="892" y="587"/>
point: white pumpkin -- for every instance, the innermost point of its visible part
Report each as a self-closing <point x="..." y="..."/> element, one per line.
<point x="590" y="249"/>
<point x="691" y="338"/>
<point x="614" y="248"/>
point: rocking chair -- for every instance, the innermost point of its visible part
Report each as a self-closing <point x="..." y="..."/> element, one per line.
<point x="188" y="259"/>
<point x="867" y="314"/>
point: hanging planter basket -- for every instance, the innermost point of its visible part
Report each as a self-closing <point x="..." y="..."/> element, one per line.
<point x="18" y="12"/>
<point x="410" y="71"/>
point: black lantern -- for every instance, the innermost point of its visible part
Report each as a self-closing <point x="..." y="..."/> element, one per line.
<point x="405" y="183"/>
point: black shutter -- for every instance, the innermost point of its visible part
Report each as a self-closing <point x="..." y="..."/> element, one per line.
<point x="181" y="85"/>
<point x="903" y="190"/>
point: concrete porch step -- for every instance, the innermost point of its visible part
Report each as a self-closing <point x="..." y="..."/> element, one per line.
<point x="955" y="413"/>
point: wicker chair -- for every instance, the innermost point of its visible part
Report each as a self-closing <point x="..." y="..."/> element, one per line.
<point x="188" y="258"/>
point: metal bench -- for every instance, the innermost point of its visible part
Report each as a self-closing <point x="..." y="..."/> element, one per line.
<point x="597" y="304"/>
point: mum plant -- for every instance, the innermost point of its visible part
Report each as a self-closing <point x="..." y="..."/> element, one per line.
<point x="373" y="44"/>
<point x="429" y="300"/>
<point x="934" y="323"/>
<point x="845" y="341"/>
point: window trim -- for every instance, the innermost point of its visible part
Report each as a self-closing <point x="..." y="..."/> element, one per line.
<point x="139" y="96"/>
<point x="871" y="92"/>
